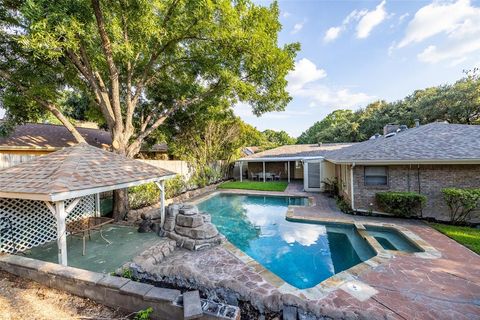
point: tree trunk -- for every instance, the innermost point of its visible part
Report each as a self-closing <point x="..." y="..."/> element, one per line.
<point x="120" y="196"/>
<point x="120" y="204"/>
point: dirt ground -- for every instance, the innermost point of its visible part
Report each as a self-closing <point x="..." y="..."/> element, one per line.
<point x="25" y="299"/>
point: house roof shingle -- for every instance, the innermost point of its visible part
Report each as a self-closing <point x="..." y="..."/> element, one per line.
<point x="436" y="141"/>
<point x="299" y="151"/>
<point x="79" y="170"/>
<point x="51" y="137"/>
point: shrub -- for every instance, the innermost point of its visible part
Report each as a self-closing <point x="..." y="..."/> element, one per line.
<point x="343" y="205"/>
<point x="404" y="204"/>
<point x="332" y="187"/>
<point x="143" y="195"/>
<point x="461" y="203"/>
<point x="175" y="186"/>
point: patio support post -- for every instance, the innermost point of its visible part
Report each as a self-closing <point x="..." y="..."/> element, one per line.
<point x="288" y="171"/>
<point x="61" y="215"/>
<point x="161" y="185"/>
<point x="97" y="204"/>
<point x="263" y="171"/>
<point x="241" y="171"/>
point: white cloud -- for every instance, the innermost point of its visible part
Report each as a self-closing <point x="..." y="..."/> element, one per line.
<point x="455" y="27"/>
<point x="297" y="27"/>
<point x="286" y="14"/>
<point x="305" y="72"/>
<point x="403" y="17"/>
<point x="370" y="20"/>
<point x="303" y="82"/>
<point x="334" y="32"/>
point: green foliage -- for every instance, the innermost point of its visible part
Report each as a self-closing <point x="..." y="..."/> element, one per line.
<point x="467" y="236"/>
<point x="143" y="195"/>
<point x="332" y="187"/>
<point x="404" y="204"/>
<point x="343" y="205"/>
<point x="144" y="314"/>
<point x="276" y="138"/>
<point x="455" y="103"/>
<point x="156" y="58"/>
<point x="127" y="273"/>
<point x="461" y="203"/>
<point x="175" y="186"/>
<point x="255" y="185"/>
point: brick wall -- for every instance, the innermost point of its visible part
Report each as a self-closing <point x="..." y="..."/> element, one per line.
<point x="426" y="179"/>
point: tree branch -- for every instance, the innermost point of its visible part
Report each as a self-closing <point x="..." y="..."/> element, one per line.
<point x="112" y="68"/>
<point x="47" y="105"/>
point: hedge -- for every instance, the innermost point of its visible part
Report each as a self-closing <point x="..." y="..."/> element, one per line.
<point x="461" y="203"/>
<point x="404" y="204"/>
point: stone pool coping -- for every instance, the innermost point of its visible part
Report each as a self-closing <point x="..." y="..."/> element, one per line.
<point x="345" y="280"/>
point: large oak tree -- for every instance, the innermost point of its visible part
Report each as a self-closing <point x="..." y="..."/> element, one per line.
<point x="140" y="60"/>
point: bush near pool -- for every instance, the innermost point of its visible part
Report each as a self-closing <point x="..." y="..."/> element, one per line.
<point x="403" y="204"/>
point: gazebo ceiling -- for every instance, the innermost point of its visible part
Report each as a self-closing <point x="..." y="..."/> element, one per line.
<point x="74" y="172"/>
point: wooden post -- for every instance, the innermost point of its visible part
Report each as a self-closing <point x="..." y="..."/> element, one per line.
<point x="288" y="171"/>
<point x="97" y="205"/>
<point x="61" y="215"/>
<point x="161" y="185"/>
<point x="241" y="171"/>
<point x="263" y="171"/>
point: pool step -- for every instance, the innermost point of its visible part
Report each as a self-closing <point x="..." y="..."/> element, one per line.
<point x="192" y="307"/>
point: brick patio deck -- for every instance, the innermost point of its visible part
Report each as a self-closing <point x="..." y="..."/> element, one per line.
<point x="409" y="287"/>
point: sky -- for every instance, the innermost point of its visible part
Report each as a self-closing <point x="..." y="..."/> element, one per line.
<point x="355" y="52"/>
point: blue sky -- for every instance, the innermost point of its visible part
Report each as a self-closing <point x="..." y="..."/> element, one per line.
<point x="354" y="52"/>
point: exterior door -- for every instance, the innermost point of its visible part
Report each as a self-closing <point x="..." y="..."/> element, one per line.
<point x="312" y="175"/>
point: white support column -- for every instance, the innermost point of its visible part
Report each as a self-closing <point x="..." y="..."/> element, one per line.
<point x="288" y="171"/>
<point x="241" y="171"/>
<point x="97" y="205"/>
<point x="263" y="171"/>
<point x="61" y="215"/>
<point x="161" y="185"/>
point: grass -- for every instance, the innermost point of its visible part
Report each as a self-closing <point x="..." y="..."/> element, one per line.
<point x="469" y="237"/>
<point x="254" y="185"/>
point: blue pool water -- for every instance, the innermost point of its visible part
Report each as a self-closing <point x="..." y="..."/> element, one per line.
<point x="301" y="254"/>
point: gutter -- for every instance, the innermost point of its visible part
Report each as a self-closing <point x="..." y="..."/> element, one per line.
<point x="351" y="186"/>
<point x="388" y="162"/>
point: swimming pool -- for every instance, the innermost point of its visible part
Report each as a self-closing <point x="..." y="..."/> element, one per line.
<point x="301" y="254"/>
<point x="391" y="239"/>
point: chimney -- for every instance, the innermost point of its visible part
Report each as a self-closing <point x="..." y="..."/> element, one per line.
<point x="417" y="123"/>
<point x="389" y="128"/>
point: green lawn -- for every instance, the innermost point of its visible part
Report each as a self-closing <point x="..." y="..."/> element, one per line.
<point x="469" y="237"/>
<point x="254" y="185"/>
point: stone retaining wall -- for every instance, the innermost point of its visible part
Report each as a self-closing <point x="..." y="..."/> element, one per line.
<point x="112" y="291"/>
<point x="153" y="211"/>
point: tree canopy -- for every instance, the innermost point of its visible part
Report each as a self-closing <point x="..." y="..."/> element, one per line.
<point x="140" y="61"/>
<point x="455" y="103"/>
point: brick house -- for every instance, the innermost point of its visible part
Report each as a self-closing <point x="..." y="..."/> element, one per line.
<point x="423" y="159"/>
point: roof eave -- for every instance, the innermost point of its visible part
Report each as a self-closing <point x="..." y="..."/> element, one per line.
<point x="412" y="161"/>
<point x="61" y="196"/>
<point x="278" y="159"/>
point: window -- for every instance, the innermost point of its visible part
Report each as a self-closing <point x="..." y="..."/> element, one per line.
<point x="376" y="176"/>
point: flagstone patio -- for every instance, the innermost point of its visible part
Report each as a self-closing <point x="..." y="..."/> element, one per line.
<point x="402" y="286"/>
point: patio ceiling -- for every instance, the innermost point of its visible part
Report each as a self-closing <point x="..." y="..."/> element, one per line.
<point x="75" y="172"/>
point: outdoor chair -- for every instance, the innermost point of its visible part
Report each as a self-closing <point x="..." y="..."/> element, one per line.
<point x="268" y="176"/>
<point x="278" y="176"/>
<point x="253" y="176"/>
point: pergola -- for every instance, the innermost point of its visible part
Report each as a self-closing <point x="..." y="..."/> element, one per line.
<point x="61" y="180"/>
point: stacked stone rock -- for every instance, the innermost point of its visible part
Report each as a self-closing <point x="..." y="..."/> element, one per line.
<point x="189" y="228"/>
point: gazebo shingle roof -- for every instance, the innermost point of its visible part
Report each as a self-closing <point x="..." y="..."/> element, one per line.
<point x="75" y="171"/>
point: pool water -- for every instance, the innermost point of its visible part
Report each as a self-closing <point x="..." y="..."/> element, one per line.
<point x="301" y="254"/>
<point x="391" y="239"/>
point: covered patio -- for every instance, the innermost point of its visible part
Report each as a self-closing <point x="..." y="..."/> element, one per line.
<point x="41" y="197"/>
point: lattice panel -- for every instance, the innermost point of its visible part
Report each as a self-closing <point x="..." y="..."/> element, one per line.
<point x="33" y="223"/>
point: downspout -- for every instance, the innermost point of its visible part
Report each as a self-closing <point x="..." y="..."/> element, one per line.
<point x="351" y="186"/>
